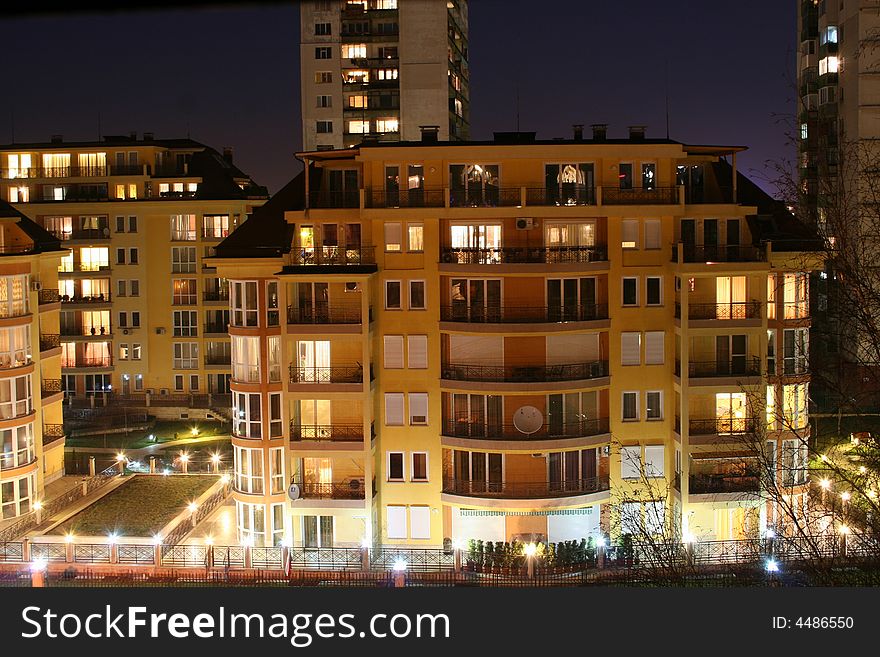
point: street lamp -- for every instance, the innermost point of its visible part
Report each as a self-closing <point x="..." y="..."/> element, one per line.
<point x="531" y="549"/>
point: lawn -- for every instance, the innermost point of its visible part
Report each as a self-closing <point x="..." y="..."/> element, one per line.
<point x="139" y="507"/>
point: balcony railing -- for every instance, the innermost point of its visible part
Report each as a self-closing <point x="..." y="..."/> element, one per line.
<point x="525" y="489"/>
<point x="218" y="359"/>
<point x="738" y="366"/>
<point x="49" y="296"/>
<point x="525" y="373"/>
<point x="342" y="374"/>
<point x="126" y="169"/>
<point x="83" y="234"/>
<point x="551" y="255"/>
<point x="217" y="327"/>
<point x="78" y="330"/>
<point x="52" y="432"/>
<point x="55" y="172"/>
<point x="640" y="196"/>
<point x="722" y="311"/>
<point x="349" y="490"/>
<point x="329" y="199"/>
<point x="100" y="298"/>
<point x="523" y="314"/>
<point x="719" y="253"/>
<point x="215" y="295"/>
<point x="49" y="341"/>
<point x="722" y="426"/>
<point x="485" y="198"/>
<point x="49" y="387"/>
<point x="89" y="362"/>
<point x="724" y="483"/>
<point x="796" y="310"/>
<point x="542" y="196"/>
<point x="483" y="431"/>
<point x="326" y="432"/>
<point x="332" y="255"/>
<point x="405" y="198"/>
<point x="324" y="315"/>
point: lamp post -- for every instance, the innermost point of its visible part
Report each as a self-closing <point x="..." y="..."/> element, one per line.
<point x="530" y="550"/>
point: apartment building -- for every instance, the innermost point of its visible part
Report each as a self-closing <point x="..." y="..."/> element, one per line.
<point x="382" y="68"/>
<point x="532" y="339"/>
<point x="31" y="432"/>
<point x="142" y="314"/>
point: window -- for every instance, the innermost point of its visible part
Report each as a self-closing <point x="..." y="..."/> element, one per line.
<point x="135" y="318"/>
<point x="625" y="175"/>
<point x="246" y="415"/>
<point x="358" y="127"/>
<point x="132" y="256"/>
<point x="794" y="351"/>
<point x="123" y="351"/>
<point x="771" y="296"/>
<point x="629" y="234"/>
<point x="15" y="346"/>
<point x="354" y="50"/>
<point x="136" y="352"/>
<point x="120" y="224"/>
<point x="322" y="29"/>
<point x="653" y="285"/>
<point x="183" y="227"/>
<point x="135" y="287"/>
<point x="387" y="124"/>
<point x="417" y="351"/>
<point x="244" y="303"/>
<point x="393" y="237"/>
<point x="654" y="405"/>
<point x="830" y="64"/>
<point x="186" y="356"/>
<point x="325" y="101"/>
<point x="630" y="291"/>
<point x="415" y="237"/>
<point x="249" y="470"/>
<point x="392" y="295"/>
<point x="215" y="226"/>
<point x="15" y="397"/>
<point x="273" y="345"/>
<point x="654" y="347"/>
<point x="120" y="256"/>
<point x="828" y="35"/>
<point x="317" y="531"/>
<point x="630" y="406"/>
<point x="395" y="526"/>
<point x="323" y="77"/>
<point x="324" y="127"/>
<point x="245" y="358"/>
<point x="15" y="496"/>
<point x="395" y="466"/>
<point x="652" y="233"/>
<point x="178" y="382"/>
<point x="275" y="423"/>
<point x="418" y="408"/>
<point x="393" y="352"/>
<point x="358" y="101"/>
<point x="323" y="52"/>
<point x="183" y="259"/>
<point x="631" y="348"/>
<point x="185" y="323"/>
<point x="631" y="462"/>
<point x="419" y="471"/>
<point x="394" y="409"/>
<point x="794" y="406"/>
<point x="183" y="291"/>
<point x="655" y="458"/>
<point x="649" y="175"/>
<point x="14" y="295"/>
<point x="417" y="295"/>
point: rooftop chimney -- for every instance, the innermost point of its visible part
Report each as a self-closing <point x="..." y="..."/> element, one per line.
<point x="430" y="133"/>
<point x="637" y="133"/>
<point x="227" y="154"/>
<point x="148" y="136"/>
<point x="57" y="139"/>
<point x="578" y="131"/>
<point x="600" y="131"/>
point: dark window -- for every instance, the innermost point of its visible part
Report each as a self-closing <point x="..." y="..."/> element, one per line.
<point x="630" y="293"/>
<point x="625" y="174"/>
<point x="653" y="290"/>
<point x="323" y="52"/>
<point x="395" y="465"/>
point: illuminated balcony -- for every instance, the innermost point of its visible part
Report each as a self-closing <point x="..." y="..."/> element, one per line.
<point x="525" y="490"/>
<point x="483" y="431"/>
<point x="721" y="311"/>
<point x="525" y="373"/>
<point x="340" y="374"/>
<point x="551" y="255"/>
<point x="523" y="314"/>
<point x="705" y="253"/>
<point x="735" y="367"/>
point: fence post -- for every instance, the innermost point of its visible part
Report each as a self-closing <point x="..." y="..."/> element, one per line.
<point x="68" y="551"/>
<point x="25" y="550"/>
<point x="38" y="577"/>
<point x="365" y="558"/>
<point x="691" y="553"/>
<point x="114" y="552"/>
<point x="457" y="559"/>
<point x="843" y="543"/>
<point x="248" y="561"/>
<point x="209" y="556"/>
<point x="157" y="555"/>
<point x="92" y="470"/>
<point x="152" y="465"/>
<point x="600" y="555"/>
<point x="399" y="579"/>
<point x="85" y="487"/>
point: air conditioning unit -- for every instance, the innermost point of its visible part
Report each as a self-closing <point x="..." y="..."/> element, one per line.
<point x="419" y="419"/>
<point x="125" y="331"/>
<point x="36" y="286"/>
<point x="352" y="287"/>
<point x="160" y="331"/>
<point x="525" y="223"/>
<point x="163" y="391"/>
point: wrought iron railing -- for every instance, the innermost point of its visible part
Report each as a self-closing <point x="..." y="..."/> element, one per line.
<point x="525" y="373"/>
<point x="215" y="295"/>
<point x="49" y="341"/>
<point x="490" y="197"/>
<point x="331" y="255"/>
<point x="795" y="310"/>
<point x="724" y="483"/>
<point x="553" y="196"/>
<point x="405" y="198"/>
<point x="523" y="255"/>
<point x="694" y="253"/>
<point x="330" y="199"/>
<point x="416" y="559"/>
<point x="98" y="298"/>
<point x="737" y="366"/>
<point x="522" y="314"/>
<point x="723" y="311"/>
<point x="52" y="432"/>
<point x="340" y="374"/>
<point x="326" y="432"/>
<point x="323" y="314"/>
<point x="349" y="490"/>
<point x="721" y="426"/>
<point x="640" y="196"/>
<point x="48" y="295"/>
<point x="482" y="431"/>
<point x="525" y="489"/>
<point x="49" y="387"/>
<point x="217" y="327"/>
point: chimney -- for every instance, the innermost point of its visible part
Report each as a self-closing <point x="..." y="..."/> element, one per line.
<point x="637" y="133"/>
<point x="148" y="136"/>
<point x="133" y="135"/>
<point x="430" y="133"/>
<point x="227" y="154"/>
<point x="578" y="131"/>
<point x="57" y="139"/>
<point x="600" y="131"/>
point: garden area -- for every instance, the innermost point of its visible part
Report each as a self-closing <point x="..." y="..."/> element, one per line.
<point x="140" y="507"/>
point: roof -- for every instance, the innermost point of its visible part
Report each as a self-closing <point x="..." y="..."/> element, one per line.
<point x="219" y="177"/>
<point x="266" y="234"/>
<point x="108" y="140"/>
<point x="43" y="240"/>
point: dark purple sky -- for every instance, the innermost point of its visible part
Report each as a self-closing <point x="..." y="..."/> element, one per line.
<point x="229" y="76"/>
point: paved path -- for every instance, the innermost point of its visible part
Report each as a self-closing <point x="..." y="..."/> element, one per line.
<point x="141" y="452"/>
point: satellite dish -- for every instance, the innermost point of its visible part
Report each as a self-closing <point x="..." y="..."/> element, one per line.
<point x="528" y="419"/>
<point x="293" y="491"/>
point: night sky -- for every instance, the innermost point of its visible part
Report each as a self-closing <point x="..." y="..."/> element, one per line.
<point x="229" y="75"/>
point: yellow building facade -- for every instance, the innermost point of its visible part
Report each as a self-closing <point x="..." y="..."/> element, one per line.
<point x="31" y="432"/>
<point x="515" y="339"/>
<point x="142" y="315"/>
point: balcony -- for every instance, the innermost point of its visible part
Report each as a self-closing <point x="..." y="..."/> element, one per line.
<point x="796" y="310"/>
<point x="85" y="267"/>
<point x="326" y="199"/>
<point x="221" y="328"/>
<point x="55" y="172"/>
<point x="348" y="490"/>
<point x="640" y="196"/>
<point x="482" y="431"/>
<point x="52" y="432"/>
<point x="331" y="255"/>
<point x="76" y="299"/>
<point x="341" y="374"/>
<point x="90" y="234"/>
<point x="706" y="253"/>
<point x="722" y="426"/>
<point x="747" y="482"/>
<point x="494" y="197"/>
<point x="78" y="331"/>
<point x="47" y="296"/>
<point x="722" y="311"/>
<point x="218" y="359"/>
<point x="127" y="170"/>
<point x="50" y="341"/>
<point x="324" y="315"/>
<point x="49" y="387"/>
<point x="525" y="373"/>
<point x="326" y="432"/>
<point x="524" y="489"/>
<point x="216" y="295"/>
<point x="523" y="314"/>
<point x="738" y="366"/>
<point x="84" y="362"/>
<point x="434" y="197"/>
<point x="553" y="197"/>
<point x="550" y="255"/>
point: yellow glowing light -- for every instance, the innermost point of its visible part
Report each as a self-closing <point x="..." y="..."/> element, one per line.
<point x="845" y="496"/>
<point x="825" y="484"/>
<point x="872" y="494"/>
<point x="863" y="469"/>
<point x="531" y="549"/>
<point x="843" y="529"/>
<point x="120" y="457"/>
<point x="38" y="505"/>
<point x="215" y="458"/>
<point x="209" y="540"/>
<point x="194" y="431"/>
<point x="184" y="457"/>
<point x="68" y="537"/>
<point x="225" y="479"/>
<point x="824" y="457"/>
<point x="157" y="540"/>
<point x="192" y="506"/>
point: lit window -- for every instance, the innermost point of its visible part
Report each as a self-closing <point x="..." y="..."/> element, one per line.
<point x="358" y="101"/>
<point x="354" y="50"/>
<point x="355" y="76"/>
<point x="387" y="125"/>
<point x="358" y="127"/>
